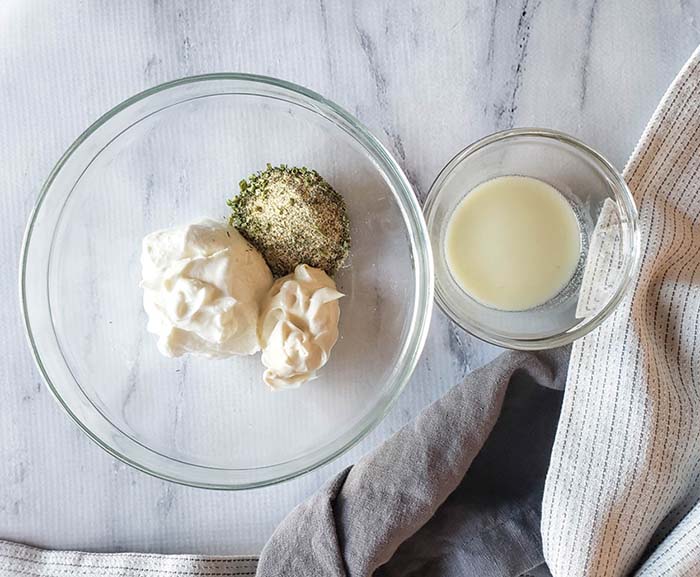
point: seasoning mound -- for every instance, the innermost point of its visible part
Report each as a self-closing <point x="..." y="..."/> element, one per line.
<point x="292" y="216"/>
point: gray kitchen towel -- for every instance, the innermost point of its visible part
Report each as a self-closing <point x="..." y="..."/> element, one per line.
<point x="456" y="493"/>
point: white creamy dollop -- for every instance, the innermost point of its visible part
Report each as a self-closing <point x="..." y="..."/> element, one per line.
<point x="298" y="326"/>
<point x="202" y="288"/>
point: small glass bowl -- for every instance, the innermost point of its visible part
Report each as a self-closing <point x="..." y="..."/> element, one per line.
<point x="609" y="238"/>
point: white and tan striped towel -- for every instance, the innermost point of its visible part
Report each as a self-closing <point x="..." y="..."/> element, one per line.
<point x="23" y="561"/>
<point x="624" y="478"/>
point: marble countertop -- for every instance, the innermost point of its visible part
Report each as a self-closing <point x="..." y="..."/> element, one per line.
<point x="427" y="77"/>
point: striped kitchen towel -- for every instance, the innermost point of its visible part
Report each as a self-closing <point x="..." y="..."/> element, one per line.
<point x="22" y="561"/>
<point x="622" y="490"/>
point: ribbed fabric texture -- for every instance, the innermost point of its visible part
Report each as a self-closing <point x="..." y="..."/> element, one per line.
<point x="624" y="478"/>
<point x="20" y="560"/>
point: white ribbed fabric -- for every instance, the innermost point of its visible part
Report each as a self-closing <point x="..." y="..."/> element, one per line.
<point x="624" y="478"/>
<point x="23" y="561"/>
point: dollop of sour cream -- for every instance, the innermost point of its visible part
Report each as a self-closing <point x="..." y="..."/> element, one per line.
<point x="202" y="287"/>
<point x="298" y="326"/>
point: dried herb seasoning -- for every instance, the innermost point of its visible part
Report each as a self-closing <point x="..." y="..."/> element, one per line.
<point x="292" y="216"/>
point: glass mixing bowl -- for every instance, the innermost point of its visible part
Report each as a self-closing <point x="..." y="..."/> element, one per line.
<point x="168" y="156"/>
<point x="607" y="220"/>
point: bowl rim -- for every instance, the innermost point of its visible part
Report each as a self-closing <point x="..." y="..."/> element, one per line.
<point x="421" y="252"/>
<point x="622" y="193"/>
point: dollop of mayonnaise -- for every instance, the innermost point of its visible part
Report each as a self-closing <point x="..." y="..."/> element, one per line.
<point x="298" y="326"/>
<point x="202" y="285"/>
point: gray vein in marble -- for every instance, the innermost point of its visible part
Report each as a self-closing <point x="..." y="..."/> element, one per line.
<point x="379" y="80"/>
<point x="586" y="57"/>
<point x="505" y="111"/>
<point x="460" y="348"/>
<point x="416" y="17"/>
<point x="185" y="48"/>
<point x="380" y="84"/>
<point x="398" y="146"/>
<point x="164" y="504"/>
<point x="492" y="39"/>
<point x="326" y="40"/>
<point x="151" y="63"/>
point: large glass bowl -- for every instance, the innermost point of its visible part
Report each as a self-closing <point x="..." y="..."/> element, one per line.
<point x="166" y="157"/>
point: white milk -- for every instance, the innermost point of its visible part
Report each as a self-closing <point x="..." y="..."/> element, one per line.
<point x="513" y="243"/>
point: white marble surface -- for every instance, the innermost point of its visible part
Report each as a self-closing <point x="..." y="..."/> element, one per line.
<point x="426" y="77"/>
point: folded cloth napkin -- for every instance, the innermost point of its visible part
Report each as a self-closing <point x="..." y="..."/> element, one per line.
<point x="624" y="481"/>
<point x="458" y="491"/>
<point x="410" y="506"/>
